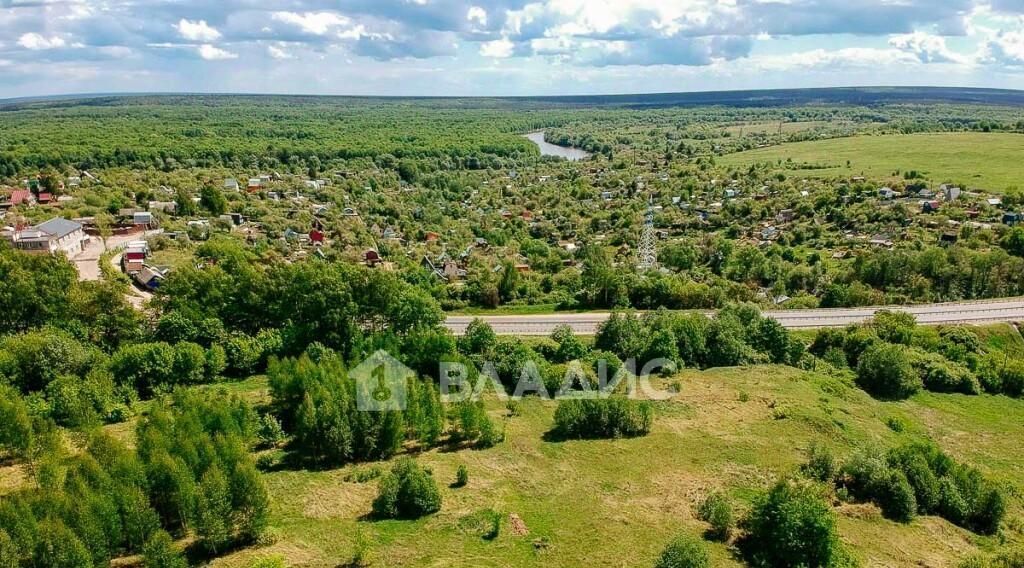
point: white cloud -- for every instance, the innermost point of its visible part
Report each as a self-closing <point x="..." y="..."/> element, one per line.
<point x="37" y="42"/>
<point x="197" y="31"/>
<point x="1006" y="48"/>
<point x="853" y="57"/>
<point x="212" y="53"/>
<point x="926" y="47"/>
<point x="500" y="48"/>
<point x="316" y="23"/>
<point x="278" y="53"/>
<point x="477" y="14"/>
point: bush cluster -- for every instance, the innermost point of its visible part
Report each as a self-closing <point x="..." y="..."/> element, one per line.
<point x="738" y="335"/>
<point x="893" y="359"/>
<point x="614" y="417"/>
<point x="407" y="492"/>
<point x="921" y="479"/>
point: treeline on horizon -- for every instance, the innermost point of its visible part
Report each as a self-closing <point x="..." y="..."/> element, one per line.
<point x="170" y="132"/>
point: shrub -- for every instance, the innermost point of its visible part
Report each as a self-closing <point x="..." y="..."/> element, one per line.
<point x="821" y="464"/>
<point x="884" y="371"/>
<point x="896" y="424"/>
<point x="957" y="343"/>
<point x="920" y="476"/>
<point x="856" y="341"/>
<point x="894" y="327"/>
<point x="868" y="477"/>
<point x="461" y="476"/>
<point x="894" y="495"/>
<point x="790" y="526"/>
<point x="615" y="417"/>
<point x="684" y="551"/>
<point x="271" y="434"/>
<point x="479" y="339"/>
<point x="717" y="511"/>
<point x="485" y="523"/>
<point x="569" y="347"/>
<point x="407" y="492"/>
<point x="952" y="505"/>
<point x="940" y="375"/>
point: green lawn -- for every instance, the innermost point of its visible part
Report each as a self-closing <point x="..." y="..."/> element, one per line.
<point x="617" y="502"/>
<point x="975" y="160"/>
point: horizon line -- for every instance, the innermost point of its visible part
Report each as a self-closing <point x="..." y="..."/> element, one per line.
<point x="127" y="94"/>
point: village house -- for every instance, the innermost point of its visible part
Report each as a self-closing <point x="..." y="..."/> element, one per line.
<point x="58" y="235"/>
<point x="150" y="277"/>
<point x="21" y="197"/>
<point x="231" y="184"/>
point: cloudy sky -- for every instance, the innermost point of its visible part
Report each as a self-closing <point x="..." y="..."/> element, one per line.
<point x="503" y="47"/>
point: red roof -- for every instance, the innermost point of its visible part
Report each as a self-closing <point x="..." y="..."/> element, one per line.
<point x="20" y="196"/>
<point x="45" y="198"/>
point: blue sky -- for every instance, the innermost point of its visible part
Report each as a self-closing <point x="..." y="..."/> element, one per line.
<point x="503" y="47"/>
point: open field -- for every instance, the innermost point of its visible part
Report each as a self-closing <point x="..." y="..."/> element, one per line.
<point x="975" y="160"/>
<point x="616" y="503"/>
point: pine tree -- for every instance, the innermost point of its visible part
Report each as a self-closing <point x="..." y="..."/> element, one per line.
<point x="432" y="413"/>
<point x="307" y="431"/>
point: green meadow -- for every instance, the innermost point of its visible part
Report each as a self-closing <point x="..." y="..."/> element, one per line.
<point x="990" y="161"/>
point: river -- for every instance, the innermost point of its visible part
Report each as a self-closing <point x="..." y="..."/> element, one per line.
<point x="547" y="149"/>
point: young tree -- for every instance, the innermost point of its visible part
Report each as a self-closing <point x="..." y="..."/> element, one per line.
<point x="212" y="199"/>
<point x="250" y="502"/>
<point x="15" y="424"/>
<point x="213" y="510"/>
<point x="104" y="225"/>
<point x="160" y="552"/>
<point x="59" y="547"/>
<point x="9" y="553"/>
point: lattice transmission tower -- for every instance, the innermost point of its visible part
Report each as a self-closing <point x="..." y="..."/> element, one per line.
<point x="647" y="253"/>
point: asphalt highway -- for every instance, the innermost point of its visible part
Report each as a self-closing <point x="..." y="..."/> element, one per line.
<point x="980" y="312"/>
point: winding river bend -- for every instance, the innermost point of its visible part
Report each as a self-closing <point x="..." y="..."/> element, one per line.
<point x="548" y="149"/>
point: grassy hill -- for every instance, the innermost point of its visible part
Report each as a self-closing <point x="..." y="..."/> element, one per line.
<point x="616" y="503"/>
<point x="977" y="160"/>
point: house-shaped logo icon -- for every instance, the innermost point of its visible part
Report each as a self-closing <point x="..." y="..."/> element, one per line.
<point x="381" y="383"/>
